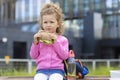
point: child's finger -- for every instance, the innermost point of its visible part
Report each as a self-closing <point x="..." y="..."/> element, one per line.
<point x="71" y="53"/>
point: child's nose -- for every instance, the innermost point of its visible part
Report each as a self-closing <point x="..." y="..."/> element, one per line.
<point x="48" y="24"/>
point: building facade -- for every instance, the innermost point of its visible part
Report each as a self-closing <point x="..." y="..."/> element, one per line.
<point x="91" y="26"/>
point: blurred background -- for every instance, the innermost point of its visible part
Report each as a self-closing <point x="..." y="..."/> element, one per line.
<point x="91" y="26"/>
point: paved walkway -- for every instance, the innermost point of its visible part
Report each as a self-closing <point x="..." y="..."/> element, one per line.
<point x="16" y="78"/>
<point x="97" y="78"/>
<point x="31" y="78"/>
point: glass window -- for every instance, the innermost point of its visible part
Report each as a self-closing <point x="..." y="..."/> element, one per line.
<point x="118" y="27"/>
<point x="34" y="28"/>
<point x="34" y="10"/>
<point x="110" y="21"/>
<point x="103" y="6"/>
<point x="29" y="28"/>
<point x="31" y="4"/>
<point x="109" y="12"/>
<point x="71" y="8"/>
<point x="86" y="5"/>
<point x="115" y="3"/>
<point x="115" y="21"/>
<point x="115" y="6"/>
<point x="66" y="8"/>
<point x="81" y="27"/>
<point x="109" y="7"/>
<point x="81" y="6"/>
<point x="68" y="28"/>
<point x="119" y="11"/>
<point x="75" y="8"/>
<point x="1" y="10"/>
<point x="74" y="28"/>
<point x="119" y="21"/>
<point x="91" y="5"/>
<point x="19" y="8"/>
<point x="97" y="4"/>
<point x="108" y="4"/>
<point x="26" y="10"/>
<point x="25" y="28"/>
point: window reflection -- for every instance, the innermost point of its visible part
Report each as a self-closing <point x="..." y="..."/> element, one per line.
<point x="1" y="10"/>
<point x="18" y="10"/>
<point x="30" y="28"/>
<point x="25" y="28"/>
<point x="81" y="6"/>
<point x="115" y="3"/>
<point x="109" y="6"/>
<point x="74" y="28"/>
<point x="97" y="4"/>
<point x="75" y="8"/>
<point x="28" y="10"/>
<point x="86" y="5"/>
<point x="66" y="8"/>
<point x="119" y="26"/>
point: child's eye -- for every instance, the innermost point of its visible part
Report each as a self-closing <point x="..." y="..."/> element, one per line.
<point x="45" y="22"/>
<point x="51" y="22"/>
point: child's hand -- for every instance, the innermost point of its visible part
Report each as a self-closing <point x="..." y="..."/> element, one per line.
<point x="71" y="54"/>
<point x="47" y="36"/>
<point x="36" y="36"/>
<point x="53" y="36"/>
<point x="44" y="35"/>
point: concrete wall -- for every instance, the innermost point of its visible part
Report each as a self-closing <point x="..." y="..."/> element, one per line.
<point x="13" y="34"/>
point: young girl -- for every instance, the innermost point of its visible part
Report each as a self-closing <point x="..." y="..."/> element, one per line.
<point x="49" y="56"/>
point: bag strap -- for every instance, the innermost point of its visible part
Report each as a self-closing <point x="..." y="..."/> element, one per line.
<point x="78" y="60"/>
<point x="65" y="67"/>
<point x="66" y="64"/>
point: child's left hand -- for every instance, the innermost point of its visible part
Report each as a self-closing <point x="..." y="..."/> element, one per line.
<point x="71" y="54"/>
<point x="47" y="35"/>
<point x="53" y="36"/>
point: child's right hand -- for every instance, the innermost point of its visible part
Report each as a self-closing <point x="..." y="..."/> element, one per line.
<point x="36" y="36"/>
<point x="71" y="54"/>
<point x="43" y="35"/>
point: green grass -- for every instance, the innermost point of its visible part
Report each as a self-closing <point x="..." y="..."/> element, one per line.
<point x="100" y="71"/>
<point x="15" y="72"/>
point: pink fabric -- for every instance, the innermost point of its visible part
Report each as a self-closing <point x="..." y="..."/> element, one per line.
<point x="50" y="56"/>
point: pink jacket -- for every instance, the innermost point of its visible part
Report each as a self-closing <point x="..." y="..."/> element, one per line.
<point x="50" y="56"/>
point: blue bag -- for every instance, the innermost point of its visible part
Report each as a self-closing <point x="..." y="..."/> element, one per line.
<point x="81" y="70"/>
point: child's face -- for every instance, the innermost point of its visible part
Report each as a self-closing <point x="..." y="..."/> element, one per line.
<point x="50" y="23"/>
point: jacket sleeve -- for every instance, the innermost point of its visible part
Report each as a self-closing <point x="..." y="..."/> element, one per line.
<point x="34" y="51"/>
<point x="61" y="47"/>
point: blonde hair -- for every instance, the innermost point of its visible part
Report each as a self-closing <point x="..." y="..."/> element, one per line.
<point x="52" y="8"/>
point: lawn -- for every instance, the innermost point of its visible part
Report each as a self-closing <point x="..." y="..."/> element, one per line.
<point x="100" y="71"/>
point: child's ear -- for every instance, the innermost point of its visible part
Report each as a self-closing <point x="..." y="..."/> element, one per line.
<point x="42" y="28"/>
<point x="58" y="24"/>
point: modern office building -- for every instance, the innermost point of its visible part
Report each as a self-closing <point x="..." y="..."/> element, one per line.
<point x="91" y="26"/>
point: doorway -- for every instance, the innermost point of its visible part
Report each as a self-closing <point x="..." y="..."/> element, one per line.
<point x="19" y="50"/>
<point x="117" y="52"/>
